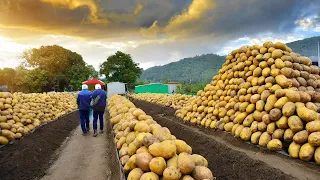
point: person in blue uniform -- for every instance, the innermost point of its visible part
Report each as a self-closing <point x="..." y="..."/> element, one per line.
<point x="98" y="103"/>
<point x="83" y="101"/>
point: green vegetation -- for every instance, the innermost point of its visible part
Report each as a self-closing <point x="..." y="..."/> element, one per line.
<point x="121" y="68"/>
<point x="189" y="70"/>
<point x="190" y="89"/>
<point x="47" y="68"/>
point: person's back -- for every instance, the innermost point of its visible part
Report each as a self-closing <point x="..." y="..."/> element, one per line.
<point x="98" y="103"/>
<point x="84" y="98"/>
<point x="83" y="101"/>
<point x="99" y="97"/>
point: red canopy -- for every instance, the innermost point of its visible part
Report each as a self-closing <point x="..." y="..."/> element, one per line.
<point x="93" y="81"/>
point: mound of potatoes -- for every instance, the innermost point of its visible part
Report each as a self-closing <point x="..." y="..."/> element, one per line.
<point x="21" y="113"/>
<point x="149" y="151"/>
<point x="267" y="95"/>
<point x="176" y="101"/>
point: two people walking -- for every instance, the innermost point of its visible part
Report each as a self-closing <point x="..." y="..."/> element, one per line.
<point x="95" y="100"/>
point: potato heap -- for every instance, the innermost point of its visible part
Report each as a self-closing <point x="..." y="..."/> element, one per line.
<point x="21" y="113"/>
<point x="176" y="101"/>
<point x="148" y="151"/>
<point x="265" y="94"/>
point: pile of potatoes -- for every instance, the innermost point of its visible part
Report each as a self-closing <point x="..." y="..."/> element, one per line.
<point x="265" y="94"/>
<point x="21" y="113"/>
<point x="176" y="101"/>
<point x="150" y="152"/>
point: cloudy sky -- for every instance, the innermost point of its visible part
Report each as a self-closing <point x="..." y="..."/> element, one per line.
<point x="154" y="32"/>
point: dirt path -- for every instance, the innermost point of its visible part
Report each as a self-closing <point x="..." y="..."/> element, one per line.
<point x="86" y="157"/>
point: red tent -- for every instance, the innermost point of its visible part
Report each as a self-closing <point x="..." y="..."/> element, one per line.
<point x="93" y="81"/>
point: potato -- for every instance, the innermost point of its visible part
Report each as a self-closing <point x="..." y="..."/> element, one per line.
<point x="166" y="149"/>
<point x="173" y="161"/>
<point x="294" y="150"/>
<point x="306" y="114"/>
<point x="187" y="177"/>
<point x="274" y="145"/>
<point x="241" y="117"/>
<point x="271" y="128"/>
<point x="245" y="134"/>
<point x="238" y="131"/>
<point x="260" y="105"/>
<point x="288" y="109"/>
<point x="253" y="127"/>
<point x="124" y="159"/>
<point x="317" y="155"/>
<point x="131" y="164"/>
<point x="162" y="134"/>
<point x="201" y="173"/>
<point x="132" y="149"/>
<point x="278" y="134"/>
<point x="131" y="137"/>
<point x="271" y="100"/>
<point x="288" y="72"/>
<point x="313" y="126"/>
<point x="142" y="161"/>
<point x="135" y="174"/>
<point x="149" y="140"/>
<point x="8" y="134"/>
<point x="182" y="146"/>
<point x="264" y="139"/>
<point x="199" y="160"/>
<point x="234" y="128"/>
<point x="5" y="126"/>
<point x="142" y="149"/>
<point x="265" y="94"/>
<point x="275" y="114"/>
<point x="306" y="152"/>
<point x="171" y="173"/>
<point x="288" y="136"/>
<point x="304" y="97"/>
<point x="3" y="140"/>
<point x="314" y="139"/>
<point x="266" y="119"/>
<point x="301" y="137"/>
<point x="157" y="165"/>
<point x="142" y="126"/>
<point x="262" y="126"/>
<point x="149" y="176"/>
<point x="281" y="102"/>
<point x="295" y="123"/>
<point x="292" y="95"/>
<point x="255" y="137"/>
<point x="185" y="163"/>
<point x="228" y="126"/>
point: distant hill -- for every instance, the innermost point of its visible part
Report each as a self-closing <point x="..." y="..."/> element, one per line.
<point x="201" y="68"/>
<point x="306" y="47"/>
<point x="196" y="69"/>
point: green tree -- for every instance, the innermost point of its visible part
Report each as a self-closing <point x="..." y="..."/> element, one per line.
<point x="63" y="67"/>
<point x="165" y="80"/>
<point x="120" y="67"/>
<point x="6" y="76"/>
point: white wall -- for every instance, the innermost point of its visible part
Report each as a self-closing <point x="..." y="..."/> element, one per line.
<point x="115" y="88"/>
<point x="172" y="87"/>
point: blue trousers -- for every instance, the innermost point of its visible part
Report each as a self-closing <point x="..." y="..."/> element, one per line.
<point x="84" y="120"/>
<point x="97" y="115"/>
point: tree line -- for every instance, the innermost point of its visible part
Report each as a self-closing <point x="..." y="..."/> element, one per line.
<point x="54" y="68"/>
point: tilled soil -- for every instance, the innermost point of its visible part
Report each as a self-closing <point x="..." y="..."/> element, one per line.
<point x="229" y="157"/>
<point x="29" y="157"/>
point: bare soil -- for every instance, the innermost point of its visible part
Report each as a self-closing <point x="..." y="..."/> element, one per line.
<point x="229" y="157"/>
<point x="29" y="157"/>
